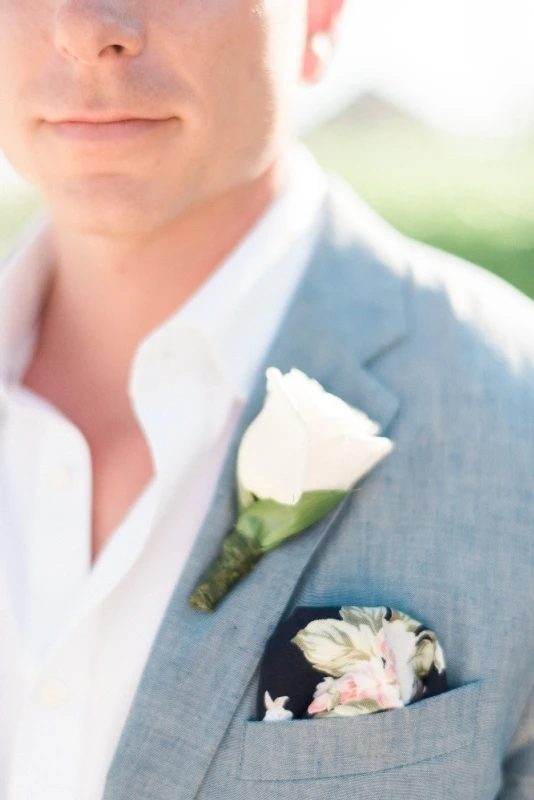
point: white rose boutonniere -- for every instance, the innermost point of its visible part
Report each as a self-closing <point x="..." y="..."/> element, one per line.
<point x="297" y="460"/>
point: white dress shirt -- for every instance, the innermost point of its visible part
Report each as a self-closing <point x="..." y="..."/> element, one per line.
<point x="75" y="636"/>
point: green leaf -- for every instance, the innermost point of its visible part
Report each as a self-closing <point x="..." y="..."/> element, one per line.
<point x="237" y="558"/>
<point x="332" y="646"/>
<point x="353" y="709"/>
<point x="425" y="654"/>
<point x="244" y="497"/>
<point x="372" y="617"/>
<point x="269" y="523"/>
<point x="367" y="706"/>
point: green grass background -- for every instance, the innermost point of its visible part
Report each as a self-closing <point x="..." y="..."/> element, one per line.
<point x="472" y="198"/>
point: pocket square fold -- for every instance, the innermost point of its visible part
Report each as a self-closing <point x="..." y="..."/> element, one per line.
<point x="348" y="661"/>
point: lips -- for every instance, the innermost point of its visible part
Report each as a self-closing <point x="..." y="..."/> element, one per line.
<point x="81" y="129"/>
<point x="103" y="116"/>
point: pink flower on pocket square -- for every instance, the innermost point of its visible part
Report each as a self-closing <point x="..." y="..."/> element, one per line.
<point x="348" y="662"/>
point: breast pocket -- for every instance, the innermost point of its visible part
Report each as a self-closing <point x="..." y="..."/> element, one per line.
<point x="329" y="748"/>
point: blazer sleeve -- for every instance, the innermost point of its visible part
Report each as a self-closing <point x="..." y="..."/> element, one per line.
<point x="518" y="766"/>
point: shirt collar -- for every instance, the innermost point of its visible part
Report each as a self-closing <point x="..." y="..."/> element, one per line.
<point x="24" y="281"/>
<point x="237" y="310"/>
<point x="241" y="303"/>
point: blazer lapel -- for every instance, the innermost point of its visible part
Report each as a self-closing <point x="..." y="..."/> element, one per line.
<point x="347" y="309"/>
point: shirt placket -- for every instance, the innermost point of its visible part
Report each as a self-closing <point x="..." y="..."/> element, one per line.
<point x="49" y="745"/>
<point x="59" y="557"/>
<point x="47" y="754"/>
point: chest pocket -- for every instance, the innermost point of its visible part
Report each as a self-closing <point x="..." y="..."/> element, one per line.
<point x="330" y="748"/>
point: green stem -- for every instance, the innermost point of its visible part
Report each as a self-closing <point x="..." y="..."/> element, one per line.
<point x="239" y="555"/>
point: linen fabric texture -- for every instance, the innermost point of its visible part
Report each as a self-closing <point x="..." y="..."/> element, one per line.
<point x="441" y="355"/>
<point x="75" y="635"/>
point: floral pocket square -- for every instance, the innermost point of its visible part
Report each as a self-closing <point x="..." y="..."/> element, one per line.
<point x="343" y="662"/>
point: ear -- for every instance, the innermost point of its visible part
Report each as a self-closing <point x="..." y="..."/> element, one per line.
<point x="322" y="17"/>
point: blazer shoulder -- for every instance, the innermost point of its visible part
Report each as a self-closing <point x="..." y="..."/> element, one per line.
<point x="447" y="297"/>
<point x="471" y="338"/>
<point x="466" y="327"/>
<point x="459" y="300"/>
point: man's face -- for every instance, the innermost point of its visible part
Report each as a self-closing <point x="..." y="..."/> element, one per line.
<point x="224" y="71"/>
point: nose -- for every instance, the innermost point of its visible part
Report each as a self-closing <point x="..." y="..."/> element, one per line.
<point x="89" y="30"/>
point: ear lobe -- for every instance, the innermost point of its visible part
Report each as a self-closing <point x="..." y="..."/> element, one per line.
<point x="322" y="17"/>
<point x="319" y="48"/>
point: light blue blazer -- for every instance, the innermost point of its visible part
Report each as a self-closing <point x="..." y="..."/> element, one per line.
<point x="441" y="354"/>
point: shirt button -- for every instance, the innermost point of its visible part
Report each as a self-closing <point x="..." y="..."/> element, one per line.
<point x="52" y="692"/>
<point x="58" y="476"/>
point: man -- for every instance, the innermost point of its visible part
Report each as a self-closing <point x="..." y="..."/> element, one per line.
<point x="186" y="250"/>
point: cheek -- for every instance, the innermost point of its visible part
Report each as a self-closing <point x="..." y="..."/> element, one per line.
<point x="23" y="28"/>
<point x="248" y="60"/>
<point x="23" y="53"/>
<point x="13" y="76"/>
<point x="232" y="66"/>
<point x="12" y="49"/>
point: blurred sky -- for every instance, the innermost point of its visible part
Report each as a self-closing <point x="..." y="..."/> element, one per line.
<point x="463" y="66"/>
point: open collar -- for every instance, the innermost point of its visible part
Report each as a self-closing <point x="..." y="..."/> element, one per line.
<point x="241" y="302"/>
<point x="24" y="279"/>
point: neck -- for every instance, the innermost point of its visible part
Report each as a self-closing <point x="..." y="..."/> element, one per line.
<point x="108" y="294"/>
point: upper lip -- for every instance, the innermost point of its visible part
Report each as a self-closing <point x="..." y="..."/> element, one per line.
<point x="103" y="117"/>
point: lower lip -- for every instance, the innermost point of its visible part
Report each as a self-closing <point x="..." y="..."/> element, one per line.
<point x="105" y="131"/>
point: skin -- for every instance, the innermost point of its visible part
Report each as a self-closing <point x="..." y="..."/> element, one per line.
<point x="139" y="224"/>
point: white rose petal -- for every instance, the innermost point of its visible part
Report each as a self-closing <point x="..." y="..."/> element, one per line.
<point x="273" y="452"/>
<point x="306" y="439"/>
<point x="315" y="405"/>
<point x="339" y="463"/>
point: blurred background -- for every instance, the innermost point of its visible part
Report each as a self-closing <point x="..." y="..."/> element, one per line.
<point x="428" y="111"/>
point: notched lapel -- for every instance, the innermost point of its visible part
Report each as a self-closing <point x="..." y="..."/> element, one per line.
<point x="347" y="309"/>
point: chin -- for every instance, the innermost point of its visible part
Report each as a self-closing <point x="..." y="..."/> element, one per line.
<point x="119" y="224"/>
<point x="111" y="206"/>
